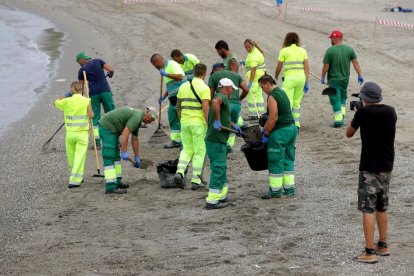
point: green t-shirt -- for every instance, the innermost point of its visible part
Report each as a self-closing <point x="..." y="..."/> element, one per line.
<point x="220" y="136"/>
<point x="234" y="77"/>
<point x="339" y="58"/>
<point x="285" y="117"/>
<point x="227" y="61"/>
<point x="117" y="119"/>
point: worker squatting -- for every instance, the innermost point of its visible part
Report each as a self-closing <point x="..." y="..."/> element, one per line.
<point x="204" y="116"/>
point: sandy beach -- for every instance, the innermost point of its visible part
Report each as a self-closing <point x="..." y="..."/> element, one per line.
<point x="46" y="229"/>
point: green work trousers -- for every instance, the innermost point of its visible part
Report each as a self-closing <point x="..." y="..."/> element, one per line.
<point x="255" y="100"/>
<point x="338" y="102"/>
<point x="104" y="98"/>
<point x="217" y="153"/>
<point x="111" y="159"/>
<point x="235" y="109"/>
<point x="76" y="149"/>
<point x="281" y="159"/>
<point x="194" y="148"/>
<point x="174" y="121"/>
<point x="293" y="86"/>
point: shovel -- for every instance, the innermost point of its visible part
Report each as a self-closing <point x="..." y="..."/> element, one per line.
<point x="159" y="135"/>
<point x="234" y="131"/>
<point x="145" y="163"/>
<point x="46" y="145"/>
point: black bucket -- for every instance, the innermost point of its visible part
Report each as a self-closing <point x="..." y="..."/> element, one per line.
<point x="166" y="172"/>
<point x="256" y="155"/>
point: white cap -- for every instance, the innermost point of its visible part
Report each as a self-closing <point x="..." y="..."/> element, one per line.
<point x="152" y="112"/>
<point x="227" y="82"/>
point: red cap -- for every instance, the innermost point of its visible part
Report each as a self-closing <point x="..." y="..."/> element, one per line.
<point x="336" y="33"/>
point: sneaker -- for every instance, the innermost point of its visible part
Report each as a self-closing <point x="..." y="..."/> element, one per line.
<point x="123" y="186"/>
<point x="195" y="186"/>
<point x="364" y="257"/>
<point x="226" y="199"/>
<point x="268" y="196"/>
<point x="179" y="181"/>
<point x="173" y="144"/>
<point x="336" y="125"/>
<point x="71" y="186"/>
<point x="289" y="192"/>
<point x="218" y="205"/>
<point x="229" y="150"/>
<point x="116" y="191"/>
<point x="382" y="250"/>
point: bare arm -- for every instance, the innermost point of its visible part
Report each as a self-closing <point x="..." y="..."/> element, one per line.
<point x="205" y="104"/>
<point x="90" y="112"/>
<point x="124" y="139"/>
<point x="306" y="65"/>
<point x="135" y="145"/>
<point x="215" y="105"/>
<point x="273" y="115"/>
<point x="109" y="68"/>
<point x="355" y="63"/>
<point x="278" y="69"/>
<point x="234" y="66"/>
<point x="325" y="69"/>
<point x="212" y="90"/>
<point x="350" y="131"/>
<point x="81" y="82"/>
<point x="245" y="89"/>
<point x="176" y="77"/>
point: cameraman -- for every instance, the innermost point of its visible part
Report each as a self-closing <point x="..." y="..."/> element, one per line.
<point x="377" y="122"/>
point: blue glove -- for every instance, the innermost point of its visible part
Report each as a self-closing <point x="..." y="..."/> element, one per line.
<point x="236" y="127"/>
<point x="306" y="88"/>
<point x="242" y="63"/>
<point x="265" y="139"/>
<point x="137" y="162"/>
<point x="160" y="100"/>
<point x="217" y="125"/>
<point x="249" y="85"/>
<point x="323" y="80"/>
<point x="125" y="155"/>
<point x="163" y="73"/>
<point x="360" y="80"/>
<point x="68" y="94"/>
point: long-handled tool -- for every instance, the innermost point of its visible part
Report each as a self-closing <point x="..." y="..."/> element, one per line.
<point x="159" y="135"/>
<point x="44" y="147"/>
<point x="254" y="100"/>
<point x="98" y="166"/>
<point x="330" y="91"/>
<point x="232" y="130"/>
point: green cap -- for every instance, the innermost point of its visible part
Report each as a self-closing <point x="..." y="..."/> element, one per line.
<point x="82" y="55"/>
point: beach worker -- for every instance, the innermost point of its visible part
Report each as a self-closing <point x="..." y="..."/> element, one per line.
<point x="174" y="77"/>
<point x="280" y="134"/>
<point x="230" y="60"/>
<point x="336" y="63"/>
<point x="294" y="61"/>
<point x="255" y="68"/>
<point x="235" y="98"/>
<point x="122" y="122"/>
<point x="99" y="90"/>
<point x="377" y="122"/>
<point x="193" y="106"/>
<point x="187" y="62"/>
<point x="77" y="111"/>
<point x="279" y="4"/>
<point x="216" y="144"/>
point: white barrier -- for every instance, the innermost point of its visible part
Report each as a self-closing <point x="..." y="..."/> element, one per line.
<point x="393" y="23"/>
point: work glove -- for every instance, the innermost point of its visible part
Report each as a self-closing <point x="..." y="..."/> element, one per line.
<point x="249" y="85"/>
<point x="161" y="99"/>
<point x="137" y="163"/>
<point x="306" y="88"/>
<point x="125" y="155"/>
<point x="68" y="94"/>
<point x="323" y="80"/>
<point x="360" y="80"/>
<point x="265" y="139"/>
<point x="242" y="63"/>
<point x="109" y="75"/>
<point x="217" y="125"/>
<point x="238" y="129"/>
<point x="163" y="73"/>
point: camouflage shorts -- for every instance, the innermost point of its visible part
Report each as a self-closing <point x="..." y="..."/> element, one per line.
<point x="373" y="191"/>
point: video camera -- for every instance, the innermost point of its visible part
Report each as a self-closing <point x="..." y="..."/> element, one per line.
<point x="355" y="105"/>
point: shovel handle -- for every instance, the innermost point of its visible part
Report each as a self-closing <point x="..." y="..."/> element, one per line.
<point x="232" y="130"/>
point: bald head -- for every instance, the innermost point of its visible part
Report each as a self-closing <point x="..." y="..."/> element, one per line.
<point x="158" y="61"/>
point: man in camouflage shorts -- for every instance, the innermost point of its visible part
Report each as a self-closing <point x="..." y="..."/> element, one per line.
<point x="377" y="122"/>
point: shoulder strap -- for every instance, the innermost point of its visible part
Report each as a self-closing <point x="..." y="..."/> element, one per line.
<point x="194" y="92"/>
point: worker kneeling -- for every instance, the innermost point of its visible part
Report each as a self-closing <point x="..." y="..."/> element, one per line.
<point x="121" y="122"/>
<point x="280" y="133"/>
<point x="76" y="109"/>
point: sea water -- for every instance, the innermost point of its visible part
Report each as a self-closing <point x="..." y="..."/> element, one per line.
<point x="24" y="67"/>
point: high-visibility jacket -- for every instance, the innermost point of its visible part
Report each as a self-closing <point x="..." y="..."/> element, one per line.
<point x="293" y="58"/>
<point x="172" y="67"/>
<point x="75" y="110"/>
<point x="190" y="61"/>
<point x="255" y="59"/>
